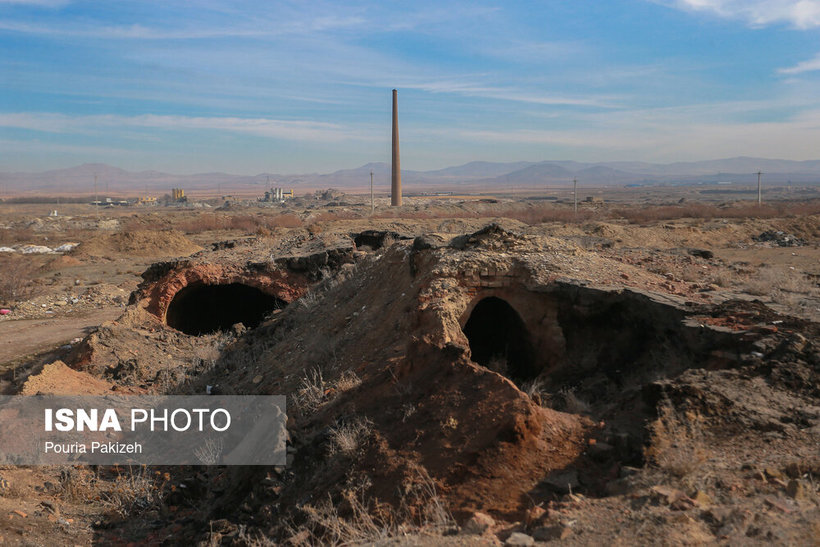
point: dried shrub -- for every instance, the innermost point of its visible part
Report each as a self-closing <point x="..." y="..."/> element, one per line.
<point x="348" y="437"/>
<point x="136" y="491"/>
<point x="77" y="484"/>
<point x="284" y="221"/>
<point x="245" y="223"/>
<point x="206" y="222"/>
<point x="348" y="380"/>
<point x="311" y="392"/>
<point x="16" y="278"/>
<point x="356" y="519"/>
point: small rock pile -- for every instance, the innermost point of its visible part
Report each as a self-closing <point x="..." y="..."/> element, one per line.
<point x="779" y="238"/>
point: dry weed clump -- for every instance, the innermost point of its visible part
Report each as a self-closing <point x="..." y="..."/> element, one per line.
<point x="77" y="484"/>
<point x="284" y="221"/>
<point x="676" y="443"/>
<point x="206" y="222"/>
<point x="16" y="279"/>
<point x="311" y="392"/>
<point x="245" y="223"/>
<point x="358" y="520"/>
<point x="325" y="524"/>
<point x="348" y="380"/>
<point x="314" y="390"/>
<point x="136" y="490"/>
<point x="348" y="437"/>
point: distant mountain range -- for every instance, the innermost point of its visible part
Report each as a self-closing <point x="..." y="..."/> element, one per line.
<point x="477" y="174"/>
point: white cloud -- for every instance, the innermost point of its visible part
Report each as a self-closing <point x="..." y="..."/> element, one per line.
<point x="300" y="130"/>
<point x="674" y="134"/>
<point x="804" y="66"/>
<point x="802" y="14"/>
<point x="506" y="93"/>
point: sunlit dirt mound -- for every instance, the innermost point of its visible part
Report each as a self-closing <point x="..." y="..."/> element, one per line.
<point x="138" y="243"/>
<point x="57" y="379"/>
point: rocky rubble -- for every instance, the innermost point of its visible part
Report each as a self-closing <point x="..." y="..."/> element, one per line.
<point x="76" y="302"/>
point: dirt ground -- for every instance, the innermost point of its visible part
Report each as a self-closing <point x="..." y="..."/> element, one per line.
<point x="458" y="371"/>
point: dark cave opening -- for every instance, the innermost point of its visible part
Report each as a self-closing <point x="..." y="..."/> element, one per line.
<point x="499" y="340"/>
<point x="205" y="309"/>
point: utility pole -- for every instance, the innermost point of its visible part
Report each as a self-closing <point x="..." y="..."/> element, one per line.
<point x="759" y="194"/>
<point x="95" y="190"/>
<point x="575" y="195"/>
<point x="372" y="205"/>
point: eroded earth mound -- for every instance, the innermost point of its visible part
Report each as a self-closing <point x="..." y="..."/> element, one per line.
<point x="502" y="377"/>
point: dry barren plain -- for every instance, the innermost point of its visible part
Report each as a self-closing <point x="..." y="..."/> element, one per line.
<point x="459" y="370"/>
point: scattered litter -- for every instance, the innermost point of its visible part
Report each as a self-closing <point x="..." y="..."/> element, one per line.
<point x="35" y="249"/>
<point x="65" y="247"/>
<point x="779" y="238"/>
<point x="5" y="311"/>
<point x="7" y="250"/>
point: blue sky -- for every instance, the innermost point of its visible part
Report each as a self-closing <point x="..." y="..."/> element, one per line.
<point x="288" y="87"/>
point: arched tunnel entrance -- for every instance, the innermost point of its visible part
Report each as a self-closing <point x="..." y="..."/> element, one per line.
<point x="499" y="340"/>
<point x="204" y="309"/>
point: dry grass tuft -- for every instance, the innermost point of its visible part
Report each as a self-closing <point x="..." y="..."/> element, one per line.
<point x="135" y="491"/>
<point x="311" y="392"/>
<point x="358" y="520"/>
<point x="348" y="437"/>
<point x="347" y="381"/>
<point x="314" y="390"/>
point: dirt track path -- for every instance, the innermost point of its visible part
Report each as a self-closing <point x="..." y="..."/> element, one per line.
<point x="27" y="336"/>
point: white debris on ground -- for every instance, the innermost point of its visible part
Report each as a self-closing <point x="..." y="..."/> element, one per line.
<point x="39" y="249"/>
<point x="65" y="247"/>
<point x="35" y="249"/>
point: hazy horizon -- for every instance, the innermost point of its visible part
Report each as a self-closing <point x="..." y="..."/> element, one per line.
<point x="282" y="87"/>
